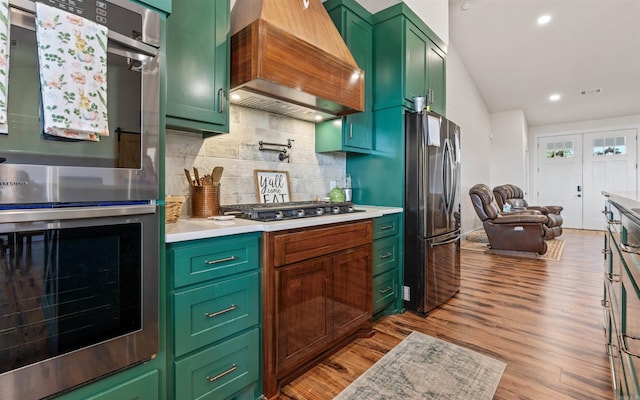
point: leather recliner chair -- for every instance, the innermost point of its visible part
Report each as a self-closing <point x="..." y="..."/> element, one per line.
<point x="514" y="233"/>
<point x="514" y="196"/>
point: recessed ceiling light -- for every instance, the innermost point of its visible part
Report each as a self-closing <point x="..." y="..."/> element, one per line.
<point x="554" y="97"/>
<point x="544" y="19"/>
<point x="235" y="96"/>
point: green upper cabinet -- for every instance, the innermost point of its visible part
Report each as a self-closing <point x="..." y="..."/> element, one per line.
<point x="353" y="132"/>
<point x="162" y="5"/>
<point x="409" y="60"/>
<point x="198" y="66"/>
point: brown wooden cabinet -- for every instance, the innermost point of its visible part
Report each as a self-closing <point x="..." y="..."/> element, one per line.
<point x="317" y="296"/>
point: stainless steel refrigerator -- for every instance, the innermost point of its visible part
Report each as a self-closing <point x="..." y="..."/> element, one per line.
<point x="432" y="211"/>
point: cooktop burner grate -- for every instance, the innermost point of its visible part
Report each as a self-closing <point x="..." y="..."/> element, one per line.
<point x="291" y="210"/>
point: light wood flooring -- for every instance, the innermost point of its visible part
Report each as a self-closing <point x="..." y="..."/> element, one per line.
<point x="542" y="318"/>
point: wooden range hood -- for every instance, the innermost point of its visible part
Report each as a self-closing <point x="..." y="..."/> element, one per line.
<point x="288" y="57"/>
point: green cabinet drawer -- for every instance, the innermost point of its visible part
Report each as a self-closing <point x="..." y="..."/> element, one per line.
<point x="202" y="260"/>
<point x="219" y="371"/>
<point x="385" y="254"/>
<point x="143" y="387"/>
<point x="210" y="313"/>
<point x="385" y="290"/>
<point x="386" y="225"/>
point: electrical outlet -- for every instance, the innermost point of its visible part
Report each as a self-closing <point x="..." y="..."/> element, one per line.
<point x="406" y="293"/>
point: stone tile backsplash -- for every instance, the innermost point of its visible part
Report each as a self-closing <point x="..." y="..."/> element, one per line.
<point x="310" y="173"/>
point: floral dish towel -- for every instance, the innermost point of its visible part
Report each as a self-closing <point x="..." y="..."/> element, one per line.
<point x="72" y="52"/>
<point x="4" y="64"/>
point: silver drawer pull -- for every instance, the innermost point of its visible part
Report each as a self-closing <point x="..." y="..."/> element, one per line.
<point x="614" y="222"/>
<point x="383" y="256"/>
<point x="627" y="248"/>
<point x="623" y="345"/>
<point x="222" y="374"/>
<point x="221" y="260"/>
<point x="386" y="227"/>
<point x="387" y="290"/>
<point x="611" y="352"/>
<point x="612" y="277"/>
<point x="226" y="310"/>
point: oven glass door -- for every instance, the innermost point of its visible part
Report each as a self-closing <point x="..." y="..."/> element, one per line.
<point x="76" y="286"/>
<point x="26" y="143"/>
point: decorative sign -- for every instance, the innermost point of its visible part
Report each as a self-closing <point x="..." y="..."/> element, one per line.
<point x="272" y="186"/>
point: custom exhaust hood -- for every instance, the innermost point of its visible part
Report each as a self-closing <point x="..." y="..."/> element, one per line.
<point x="287" y="57"/>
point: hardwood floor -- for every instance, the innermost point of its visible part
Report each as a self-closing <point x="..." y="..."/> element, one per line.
<point x="542" y="318"/>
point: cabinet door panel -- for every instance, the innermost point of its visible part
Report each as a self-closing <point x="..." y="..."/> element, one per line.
<point x="436" y="79"/>
<point x="197" y="57"/>
<point x="303" y="310"/>
<point x="415" y="63"/>
<point x="351" y="290"/>
<point x="357" y="130"/>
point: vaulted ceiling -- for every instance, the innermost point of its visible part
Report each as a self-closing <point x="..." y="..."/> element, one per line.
<point x="590" y="46"/>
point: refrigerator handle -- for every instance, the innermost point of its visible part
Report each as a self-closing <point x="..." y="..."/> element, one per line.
<point x="421" y="168"/>
<point x="455" y="239"/>
<point x="446" y="175"/>
<point x="453" y="182"/>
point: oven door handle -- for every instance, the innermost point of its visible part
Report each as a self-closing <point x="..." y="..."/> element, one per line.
<point x="26" y="19"/>
<point x="58" y="214"/>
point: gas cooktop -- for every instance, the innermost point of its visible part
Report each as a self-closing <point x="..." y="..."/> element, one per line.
<point x="290" y="210"/>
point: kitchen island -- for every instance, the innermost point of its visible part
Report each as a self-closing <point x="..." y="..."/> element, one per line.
<point x="621" y="302"/>
<point x="253" y="304"/>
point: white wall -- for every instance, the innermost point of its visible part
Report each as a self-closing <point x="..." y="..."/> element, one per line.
<point x="508" y="145"/>
<point x="434" y="13"/>
<point x="466" y="108"/>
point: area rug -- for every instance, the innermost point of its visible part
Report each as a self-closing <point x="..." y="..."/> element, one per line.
<point x="423" y="367"/>
<point x="477" y="241"/>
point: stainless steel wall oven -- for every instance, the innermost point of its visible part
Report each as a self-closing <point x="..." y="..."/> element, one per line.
<point x="79" y="295"/>
<point x="79" y="228"/>
<point x="35" y="168"/>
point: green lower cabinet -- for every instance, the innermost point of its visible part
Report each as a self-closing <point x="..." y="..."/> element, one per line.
<point x="214" y="348"/>
<point x="144" y="387"/>
<point x="137" y="383"/>
<point x="221" y="370"/>
<point x="386" y="265"/>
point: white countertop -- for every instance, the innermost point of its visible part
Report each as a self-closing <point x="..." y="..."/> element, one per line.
<point x="201" y="228"/>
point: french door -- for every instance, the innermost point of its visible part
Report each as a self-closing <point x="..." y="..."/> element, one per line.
<point x="574" y="169"/>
